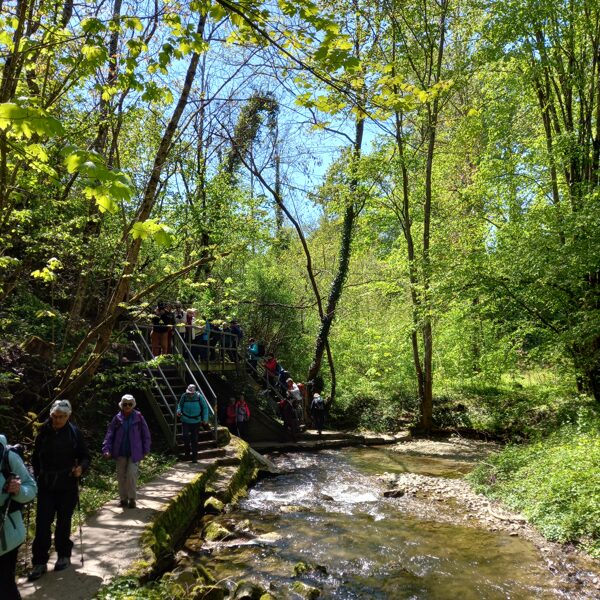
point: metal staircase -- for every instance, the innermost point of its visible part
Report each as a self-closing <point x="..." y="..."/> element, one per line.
<point x="166" y="385"/>
<point x="168" y="380"/>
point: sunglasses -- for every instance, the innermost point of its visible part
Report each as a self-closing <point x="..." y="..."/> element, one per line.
<point x="124" y="404"/>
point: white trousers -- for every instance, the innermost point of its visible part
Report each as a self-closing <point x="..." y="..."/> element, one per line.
<point x="127" y="476"/>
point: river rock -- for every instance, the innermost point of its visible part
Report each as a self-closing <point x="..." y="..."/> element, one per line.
<point x="248" y="590"/>
<point x="302" y="567"/>
<point x="291" y="508"/>
<point x="184" y="577"/>
<point x="214" y="532"/>
<point x="193" y="543"/>
<point x="213" y="506"/>
<point x="243" y="526"/>
<point x="306" y="591"/>
<point x="208" y="592"/>
<point x="394" y="493"/>
<point x="268" y="538"/>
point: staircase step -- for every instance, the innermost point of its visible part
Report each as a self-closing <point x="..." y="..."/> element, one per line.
<point x="201" y="445"/>
<point x="211" y="453"/>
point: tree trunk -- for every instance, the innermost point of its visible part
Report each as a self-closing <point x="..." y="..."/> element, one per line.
<point x="74" y="378"/>
<point x="337" y="285"/>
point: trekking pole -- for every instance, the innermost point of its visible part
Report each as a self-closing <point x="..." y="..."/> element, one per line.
<point x="27" y="523"/>
<point x="80" y="524"/>
<point x="80" y="517"/>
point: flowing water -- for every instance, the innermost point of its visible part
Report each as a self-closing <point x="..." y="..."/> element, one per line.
<point x="328" y="510"/>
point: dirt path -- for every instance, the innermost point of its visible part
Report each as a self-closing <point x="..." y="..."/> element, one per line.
<point x="111" y="540"/>
<point x="451" y="500"/>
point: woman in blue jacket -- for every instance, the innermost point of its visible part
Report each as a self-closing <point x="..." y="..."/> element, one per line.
<point x="193" y="412"/>
<point x="16" y="487"/>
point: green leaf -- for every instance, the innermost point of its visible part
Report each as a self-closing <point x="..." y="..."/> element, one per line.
<point x="24" y="122"/>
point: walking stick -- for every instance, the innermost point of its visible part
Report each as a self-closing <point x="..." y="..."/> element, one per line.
<point x="80" y="517"/>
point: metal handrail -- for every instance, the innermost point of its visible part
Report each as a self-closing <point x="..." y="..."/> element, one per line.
<point x="260" y="379"/>
<point x="190" y="357"/>
<point x="158" y="368"/>
<point x="153" y="377"/>
<point x="177" y="336"/>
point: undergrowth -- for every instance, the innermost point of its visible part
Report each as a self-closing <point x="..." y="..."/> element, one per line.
<point x="129" y="587"/>
<point x="554" y="482"/>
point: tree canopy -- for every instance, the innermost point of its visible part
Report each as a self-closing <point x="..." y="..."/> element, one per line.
<point x="401" y="198"/>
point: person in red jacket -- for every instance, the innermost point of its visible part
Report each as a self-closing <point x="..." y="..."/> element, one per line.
<point x="242" y="416"/>
<point x="231" y="416"/>
<point x="271" y="369"/>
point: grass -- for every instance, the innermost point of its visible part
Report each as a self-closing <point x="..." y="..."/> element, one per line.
<point x="554" y="482"/>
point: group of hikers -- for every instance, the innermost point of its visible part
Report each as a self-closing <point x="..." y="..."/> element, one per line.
<point x="205" y="337"/>
<point x="293" y="405"/>
<point x="214" y="336"/>
<point x="60" y="458"/>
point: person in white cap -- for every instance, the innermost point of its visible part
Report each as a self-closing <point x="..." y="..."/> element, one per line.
<point x="193" y="412"/>
<point x="59" y="458"/>
<point x="127" y="440"/>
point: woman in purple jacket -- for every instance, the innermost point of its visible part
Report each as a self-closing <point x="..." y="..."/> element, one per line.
<point x="127" y="440"/>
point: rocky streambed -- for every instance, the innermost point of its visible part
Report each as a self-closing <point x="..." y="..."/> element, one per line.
<point x="379" y="522"/>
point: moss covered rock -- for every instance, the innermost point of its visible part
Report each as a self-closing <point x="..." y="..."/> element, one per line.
<point x="302" y="567"/>
<point x="214" y="532"/>
<point x="207" y="592"/>
<point x="248" y="590"/>
<point x="213" y="506"/>
<point x="306" y="591"/>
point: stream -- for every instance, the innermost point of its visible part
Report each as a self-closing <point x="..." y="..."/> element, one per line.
<point x="328" y="510"/>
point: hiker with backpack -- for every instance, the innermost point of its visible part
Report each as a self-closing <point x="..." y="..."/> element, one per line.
<point x="60" y="457"/>
<point x="127" y="441"/>
<point x="253" y="354"/>
<point x="288" y="414"/>
<point x="194" y="412"/>
<point x="242" y="416"/>
<point x="317" y="411"/>
<point x="17" y="487"/>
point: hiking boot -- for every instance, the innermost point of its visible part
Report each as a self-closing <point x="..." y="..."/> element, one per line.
<point x="123" y="502"/>
<point x="36" y="572"/>
<point x="63" y="562"/>
<point x="131" y="504"/>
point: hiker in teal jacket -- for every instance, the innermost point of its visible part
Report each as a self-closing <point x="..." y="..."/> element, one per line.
<point x="16" y="488"/>
<point x="194" y="412"/>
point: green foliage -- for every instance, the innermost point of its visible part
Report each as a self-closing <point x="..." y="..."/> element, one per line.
<point x="25" y="122"/>
<point x="554" y="482"/>
<point x="535" y="404"/>
<point x="124" y="588"/>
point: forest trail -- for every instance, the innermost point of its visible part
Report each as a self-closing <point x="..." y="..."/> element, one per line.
<point x="111" y="540"/>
